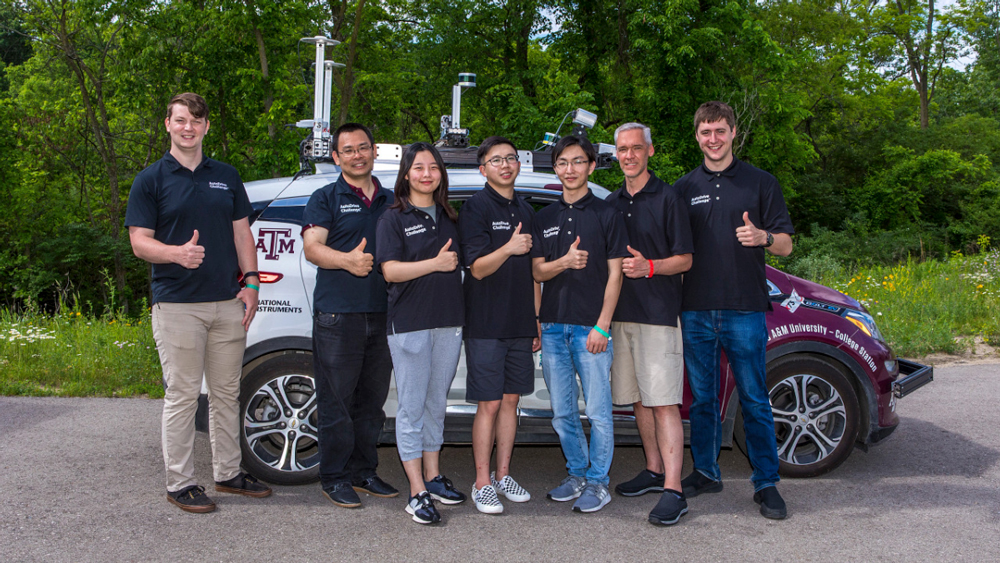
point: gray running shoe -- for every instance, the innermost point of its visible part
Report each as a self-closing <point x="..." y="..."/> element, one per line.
<point x="595" y="497"/>
<point x="569" y="489"/>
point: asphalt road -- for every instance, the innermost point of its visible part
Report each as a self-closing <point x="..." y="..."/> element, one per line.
<point x="82" y="480"/>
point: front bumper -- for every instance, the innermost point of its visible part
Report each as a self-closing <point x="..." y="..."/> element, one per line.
<point x="912" y="376"/>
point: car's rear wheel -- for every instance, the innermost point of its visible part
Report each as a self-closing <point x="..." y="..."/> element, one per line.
<point x="816" y="415"/>
<point x="278" y="434"/>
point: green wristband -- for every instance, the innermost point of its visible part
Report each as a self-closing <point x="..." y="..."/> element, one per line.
<point x="252" y="286"/>
<point x="602" y="332"/>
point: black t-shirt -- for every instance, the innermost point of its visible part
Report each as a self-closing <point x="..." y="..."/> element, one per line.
<point x="338" y="209"/>
<point x="656" y="220"/>
<point x="724" y="273"/>
<point x="175" y="201"/>
<point x="501" y="305"/>
<point x="577" y="296"/>
<point x="430" y="301"/>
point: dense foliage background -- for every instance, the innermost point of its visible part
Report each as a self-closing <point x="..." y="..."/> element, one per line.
<point x="879" y="117"/>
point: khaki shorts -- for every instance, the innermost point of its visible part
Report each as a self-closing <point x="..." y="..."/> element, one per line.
<point x="648" y="365"/>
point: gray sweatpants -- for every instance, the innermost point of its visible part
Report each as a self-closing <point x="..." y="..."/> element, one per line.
<point x="424" y="362"/>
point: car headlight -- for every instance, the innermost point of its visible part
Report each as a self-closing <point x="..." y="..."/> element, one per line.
<point x="866" y="323"/>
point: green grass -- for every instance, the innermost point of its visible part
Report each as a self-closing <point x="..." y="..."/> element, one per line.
<point x="76" y="355"/>
<point x="921" y="308"/>
<point x="930" y="307"/>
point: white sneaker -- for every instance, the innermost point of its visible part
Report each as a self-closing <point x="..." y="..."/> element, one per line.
<point x="510" y="489"/>
<point x="486" y="500"/>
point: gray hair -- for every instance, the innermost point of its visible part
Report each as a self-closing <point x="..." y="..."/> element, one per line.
<point x="633" y="125"/>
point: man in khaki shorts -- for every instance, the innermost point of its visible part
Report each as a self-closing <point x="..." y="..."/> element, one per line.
<point x="187" y="215"/>
<point x="648" y="367"/>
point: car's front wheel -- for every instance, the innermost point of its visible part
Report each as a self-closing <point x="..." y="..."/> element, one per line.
<point x="816" y="415"/>
<point x="278" y="433"/>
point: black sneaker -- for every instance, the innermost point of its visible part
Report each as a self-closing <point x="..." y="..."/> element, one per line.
<point x="376" y="487"/>
<point x="343" y="495"/>
<point x="771" y="504"/>
<point x="645" y="482"/>
<point x="441" y="489"/>
<point x="191" y="499"/>
<point x="421" y="507"/>
<point x="244" y="484"/>
<point x="696" y="484"/>
<point x="669" y="510"/>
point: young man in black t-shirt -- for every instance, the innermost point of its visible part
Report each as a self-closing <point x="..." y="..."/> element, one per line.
<point x="501" y="330"/>
<point x="187" y="215"/>
<point x="737" y="213"/>
<point x="577" y="255"/>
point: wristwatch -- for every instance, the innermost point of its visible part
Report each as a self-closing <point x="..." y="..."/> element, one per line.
<point x="770" y="240"/>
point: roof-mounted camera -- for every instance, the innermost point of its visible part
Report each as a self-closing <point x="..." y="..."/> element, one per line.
<point x="319" y="144"/>
<point x="453" y="135"/>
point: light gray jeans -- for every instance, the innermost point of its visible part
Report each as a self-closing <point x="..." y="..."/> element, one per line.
<point x="424" y="362"/>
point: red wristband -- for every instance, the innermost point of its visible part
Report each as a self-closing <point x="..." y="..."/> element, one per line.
<point x="650" y="269"/>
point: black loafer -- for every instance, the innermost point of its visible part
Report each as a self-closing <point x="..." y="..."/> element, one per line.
<point x="771" y="504"/>
<point x="244" y="484"/>
<point x="343" y="495"/>
<point x="669" y="510"/>
<point x="696" y="484"/>
<point x="645" y="482"/>
<point x="191" y="499"/>
<point x="376" y="487"/>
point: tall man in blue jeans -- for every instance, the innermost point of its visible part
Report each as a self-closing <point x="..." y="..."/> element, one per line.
<point x="737" y="213"/>
<point x="350" y="351"/>
<point x="579" y="244"/>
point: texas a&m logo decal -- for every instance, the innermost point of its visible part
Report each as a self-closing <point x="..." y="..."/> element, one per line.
<point x="273" y="242"/>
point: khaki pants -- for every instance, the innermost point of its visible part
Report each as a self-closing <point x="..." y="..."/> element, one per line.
<point x="196" y="339"/>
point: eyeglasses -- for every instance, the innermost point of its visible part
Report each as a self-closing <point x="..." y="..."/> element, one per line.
<point x="634" y="149"/>
<point x="497" y="161"/>
<point x="350" y="151"/>
<point x="562" y="163"/>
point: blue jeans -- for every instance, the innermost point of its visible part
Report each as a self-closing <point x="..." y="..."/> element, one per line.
<point x="743" y="335"/>
<point x="352" y="368"/>
<point x="564" y="355"/>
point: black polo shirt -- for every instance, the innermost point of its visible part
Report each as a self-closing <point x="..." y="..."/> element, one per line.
<point x="725" y="274"/>
<point x="430" y="301"/>
<point x="576" y="296"/>
<point x="174" y="201"/>
<point x="656" y="221"/>
<point x="501" y="305"/>
<point x="338" y="209"/>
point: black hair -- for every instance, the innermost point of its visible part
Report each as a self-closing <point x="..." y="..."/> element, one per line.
<point x="572" y="140"/>
<point x="489" y="143"/>
<point x="402" y="189"/>
<point x="350" y="128"/>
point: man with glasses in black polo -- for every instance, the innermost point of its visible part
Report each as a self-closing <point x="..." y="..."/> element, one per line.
<point x="351" y="358"/>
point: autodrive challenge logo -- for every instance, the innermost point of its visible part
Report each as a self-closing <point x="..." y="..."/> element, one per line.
<point x="274" y="242"/>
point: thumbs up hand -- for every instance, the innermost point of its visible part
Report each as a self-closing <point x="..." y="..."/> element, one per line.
<point x="190" y="254"/>
<point x="637" y="266"/>
<point x="519" y="243"/>
<point x="748" y="234"/>
<point x="575" y="258"/>
<point x="446" y="260"/>
<point x="358" y="262"/>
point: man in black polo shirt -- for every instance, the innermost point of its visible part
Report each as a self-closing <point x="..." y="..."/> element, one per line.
<point x="737" y="212"/>
<point x="187" y="215"/>
<point x="500" y="309"/>
<point x="351" y="361"/>
<point x="648" y="367"/>
<point x="579" y="243"/>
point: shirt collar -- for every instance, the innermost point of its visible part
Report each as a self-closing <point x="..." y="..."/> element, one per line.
<point x="495" y="195"/>
<point x="174" y="166"/>
<point x="652" y="186"/>
<point x="341" y="186"/>
<point x="729" y="172"/>
<point x="581" y="203"/>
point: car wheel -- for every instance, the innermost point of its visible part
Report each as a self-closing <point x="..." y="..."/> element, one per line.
<point x="278" y="436"/>
<point x="815" y="412"/>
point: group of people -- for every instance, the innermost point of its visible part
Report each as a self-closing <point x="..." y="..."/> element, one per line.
<point x="623" y="292"/>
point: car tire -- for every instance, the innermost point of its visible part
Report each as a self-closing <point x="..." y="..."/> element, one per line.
<point x="814" y="435"/>
<point x="278" y="429"/>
